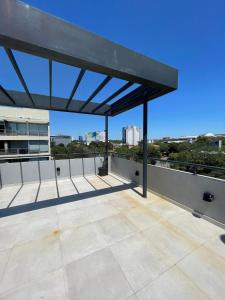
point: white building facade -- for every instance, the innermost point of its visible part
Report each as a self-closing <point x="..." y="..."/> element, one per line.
<point x="131" y="135"/>
<point x="24" y="132"/>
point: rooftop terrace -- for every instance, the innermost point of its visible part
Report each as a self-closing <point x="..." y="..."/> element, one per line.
<point x="65" y="232"/>
<point x="106" y="245"/>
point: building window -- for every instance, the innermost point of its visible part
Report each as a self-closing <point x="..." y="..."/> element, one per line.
<point x="38" y="146"/>
<point x="43" y="129"/>
<point x="2" y="127"/>
<point x="33" y="129"/>
<point x="38" y="129"/>
<point x="21" y="128"/>
<point x="11" y="128"/>
<point x="44" y="146"/>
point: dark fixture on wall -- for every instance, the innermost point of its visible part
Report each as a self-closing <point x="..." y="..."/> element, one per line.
<point x="58" y="171"/>
<point x="137" y="173"/>
<point x="208" y="197"/>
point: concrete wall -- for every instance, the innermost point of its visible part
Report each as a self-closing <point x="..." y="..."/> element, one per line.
<point x="184" y="188"/>
<point x="10" y="173"/>
<point x="77" y="168"/>
<point x="30" y="171"/>
<point x="20" y="114"/>
<point x="14" y="173"/>
<point x="127" y="169"/>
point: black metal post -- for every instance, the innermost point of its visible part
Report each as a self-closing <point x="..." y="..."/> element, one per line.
<point x="106" y="162"/>
<point x="145" y="148"/>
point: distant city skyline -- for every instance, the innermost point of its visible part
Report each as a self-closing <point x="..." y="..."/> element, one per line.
<point x="77" y="132"/>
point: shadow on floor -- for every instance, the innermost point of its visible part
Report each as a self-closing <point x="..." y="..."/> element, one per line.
<point x="62" y="200"/>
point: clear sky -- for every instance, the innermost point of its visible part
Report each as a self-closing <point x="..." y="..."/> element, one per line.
<point x="189" y="35"/>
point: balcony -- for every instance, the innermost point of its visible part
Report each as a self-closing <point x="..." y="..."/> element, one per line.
<point x="23" y="133"/>
<point x="12" y="152"/>
<point x="67" y="233"/>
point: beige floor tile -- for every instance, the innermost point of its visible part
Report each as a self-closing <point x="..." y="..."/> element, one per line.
<point x="167" y="239"/>
<point x="30" y="262"/>
<point x="82" y="185"/>
<point x="47" y="191"/>
<point x="4" y="257"/>
<point x="165" y="209"/>
<point x="51" y="287"/>
<point x="74" y="218"/>
<point x="80" y="242"/>
<point x="172" y="285"/>
<point x="66" y="188"/>
<point x="207" y="271"/>
<point x="116" y="228"/>
<point x="97" y="276"/>
<point x="197" y="229"/>
<point x="122" y="201"/>
<point x="97" y="182"/>
<point x="140" y="263"/>
<point x="26" y="195"/>
<point x="142" y="218"/>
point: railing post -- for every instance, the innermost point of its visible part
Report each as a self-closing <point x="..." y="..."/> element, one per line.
<point x="106" y="162"/>
<point x="145" y="148"/>
<point x="0" y="179"/>
<point x="69" y="164"/>
<point x="56" y="179"/>
<point x="21" y="173"/>
<point x="39" y="170"/>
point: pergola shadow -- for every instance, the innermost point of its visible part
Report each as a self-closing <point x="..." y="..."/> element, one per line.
<point x="9" y="211"/>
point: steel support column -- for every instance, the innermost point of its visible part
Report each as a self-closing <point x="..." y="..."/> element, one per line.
<point x="106" y="161"/>
<point x="145" y="148"/>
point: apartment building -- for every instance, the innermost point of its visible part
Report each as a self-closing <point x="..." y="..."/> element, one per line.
<point x="131" y="135"/>
<point x="24" y="133"/>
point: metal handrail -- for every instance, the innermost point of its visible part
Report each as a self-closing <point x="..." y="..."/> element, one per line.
<point x="29" y="133"/>
<point x="175" y="162"/>
<point x="190" y="164"/>
<point x="17" y="151"/>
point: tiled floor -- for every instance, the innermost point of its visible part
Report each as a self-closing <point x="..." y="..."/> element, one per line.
<point x="111" y="246"/>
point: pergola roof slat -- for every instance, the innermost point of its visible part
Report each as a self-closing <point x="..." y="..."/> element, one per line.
<point x="18" y="72"/>
<point x="76" y="85"/>
<point x="7" y="95"/>
<point x="27" y="29"/>
<point x="96" y="91"/>
<point x="117" y="93"/>
<point x="50" y="83"/>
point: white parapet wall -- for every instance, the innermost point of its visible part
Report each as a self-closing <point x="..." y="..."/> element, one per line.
<point x="34" y="171"/>
<point x="182" y="187"/>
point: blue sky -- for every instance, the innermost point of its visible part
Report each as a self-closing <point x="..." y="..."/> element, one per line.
<point x="189" y="35"/>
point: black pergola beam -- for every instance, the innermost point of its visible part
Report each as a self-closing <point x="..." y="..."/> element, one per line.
<point x="42" y="102"/>
<point x="133" y="99"/>
<point x="145" y="149"/>
<point x="30" y="30"/>
<point x="117" y="93"/>
<point x="7" y="95"/>
<point x="50" y="83"/>
<point x="106" y="160"/>
<point x="96" y="91"/>
<point x="76" y="85"/>
<point x="19" y="74"/>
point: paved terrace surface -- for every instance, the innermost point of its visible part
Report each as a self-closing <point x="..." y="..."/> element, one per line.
<point x="111" y="246"/>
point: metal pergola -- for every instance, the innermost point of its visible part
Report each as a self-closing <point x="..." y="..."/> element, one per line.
<point x="29" y="30"/>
